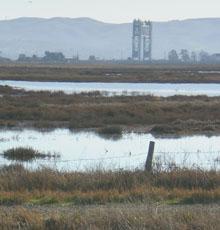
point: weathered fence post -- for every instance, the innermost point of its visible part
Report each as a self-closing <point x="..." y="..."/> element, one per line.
<point x="149" y="161"/>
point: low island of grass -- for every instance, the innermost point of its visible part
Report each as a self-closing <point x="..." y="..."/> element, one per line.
<point x="26" y="154"/>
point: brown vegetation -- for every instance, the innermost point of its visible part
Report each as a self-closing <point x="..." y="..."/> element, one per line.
<point x="180" y="127"/>
<point x="177" y="114"/>
<point x="46" y="186"/>
<point x="50" y="199"/>
<point x="112" y="73"/>
<point x="165" y="199"/>
<point x="26" y="154"/>
<point x="119" y="217"/>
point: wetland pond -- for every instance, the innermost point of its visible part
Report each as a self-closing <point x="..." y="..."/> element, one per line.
<point x="111" y="89"/>
<point x="81" y="151"/>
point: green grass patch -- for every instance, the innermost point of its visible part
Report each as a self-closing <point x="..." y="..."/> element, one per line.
<point x="47" y="200"/>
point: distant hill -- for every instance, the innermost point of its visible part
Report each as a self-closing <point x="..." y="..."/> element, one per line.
<point x="87" y="36"/>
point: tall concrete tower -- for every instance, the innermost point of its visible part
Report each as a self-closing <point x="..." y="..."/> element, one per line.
<point x="147" y="40"/>
<point x="142" y="40"/>
<point x="136" y="40"/>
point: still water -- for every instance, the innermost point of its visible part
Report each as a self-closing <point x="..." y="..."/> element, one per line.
<point x="87" y="150"/>
<point x="120" y="88"/>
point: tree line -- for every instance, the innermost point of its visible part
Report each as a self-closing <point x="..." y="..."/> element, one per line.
<point x="184" y="56"/>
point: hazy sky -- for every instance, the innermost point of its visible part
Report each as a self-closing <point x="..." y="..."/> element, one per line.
<point x="111" y="10"/>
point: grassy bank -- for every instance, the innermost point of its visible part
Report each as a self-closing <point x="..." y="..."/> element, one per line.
<point x="50" y="199"/>
<point x="46" y="186"/>
<point x="113" y="73"/>
<point x="172" y="115"/>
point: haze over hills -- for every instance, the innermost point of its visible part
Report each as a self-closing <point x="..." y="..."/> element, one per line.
<point x="87" y="36"/>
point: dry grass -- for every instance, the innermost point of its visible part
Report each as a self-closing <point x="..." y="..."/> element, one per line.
<point x="46" y="186"/>
<point x="111" y="217"/>
<point x="190" y="126"/>
<point x="112" y="73"/>
<point x="26" y="154"/>
<point x="178" y="114"/>
<point x="49" y="199"/>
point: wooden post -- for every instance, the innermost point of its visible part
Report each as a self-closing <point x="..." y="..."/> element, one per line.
<point x="148" y="165"/>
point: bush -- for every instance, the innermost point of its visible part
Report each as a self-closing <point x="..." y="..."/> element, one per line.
<point x="111" y="132"/>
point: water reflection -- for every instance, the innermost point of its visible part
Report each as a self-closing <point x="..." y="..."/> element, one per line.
<point x="86" y="150"/>
<point x="111" y="89"/>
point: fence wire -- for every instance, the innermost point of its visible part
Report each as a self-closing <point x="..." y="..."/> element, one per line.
<point x="130" y="156"/>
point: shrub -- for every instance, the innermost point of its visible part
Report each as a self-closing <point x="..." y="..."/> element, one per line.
<point x="112" y="132"/>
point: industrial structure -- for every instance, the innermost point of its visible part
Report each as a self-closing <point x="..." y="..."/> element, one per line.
<point x="142" y="40"/>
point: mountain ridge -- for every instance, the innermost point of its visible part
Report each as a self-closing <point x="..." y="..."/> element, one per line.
<point x="87" y="36"/>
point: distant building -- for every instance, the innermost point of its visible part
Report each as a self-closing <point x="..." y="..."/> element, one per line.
<point x="142" y="40"/>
